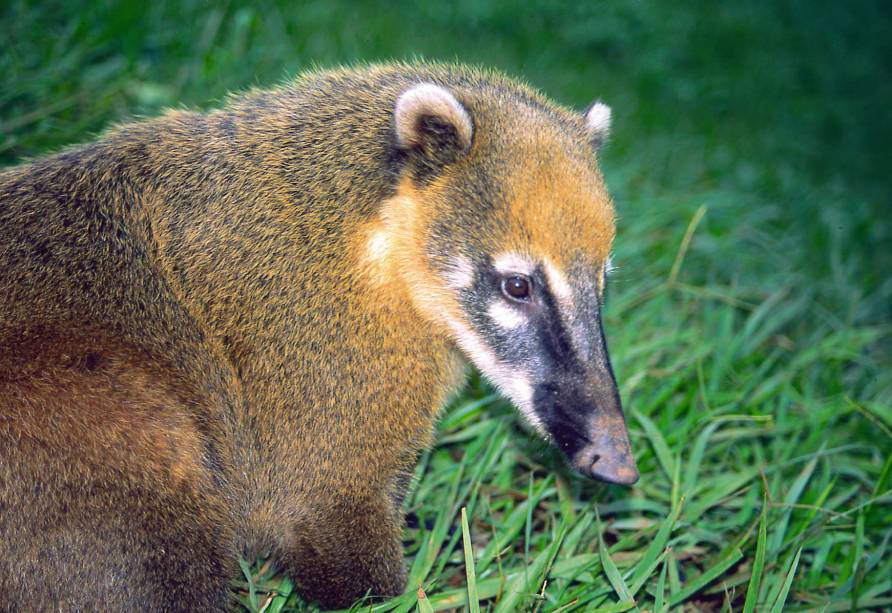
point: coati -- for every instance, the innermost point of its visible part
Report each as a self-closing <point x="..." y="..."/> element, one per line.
<point x="231" y="331"/>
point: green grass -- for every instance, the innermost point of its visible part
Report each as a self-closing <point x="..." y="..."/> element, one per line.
<point x="749" y="320"/>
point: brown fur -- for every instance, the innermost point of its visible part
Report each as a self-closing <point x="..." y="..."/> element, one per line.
<point x="198" y="358"/>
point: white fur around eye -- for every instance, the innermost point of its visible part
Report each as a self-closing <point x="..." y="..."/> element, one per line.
<point x="508" y="263"/>
<point x="558" y="283"/>
<point x="505" y="316"/>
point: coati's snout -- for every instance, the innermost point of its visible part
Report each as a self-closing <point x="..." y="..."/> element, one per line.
<point x="585" y="421"/>
<point x="575" y="401"/>
<point x="579" y="404"/>
<point x="536" y="333"/>
<point x="609" y="458"/>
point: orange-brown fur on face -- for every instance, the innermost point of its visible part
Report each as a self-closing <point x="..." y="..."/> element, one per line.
<point x="202" y="349"/>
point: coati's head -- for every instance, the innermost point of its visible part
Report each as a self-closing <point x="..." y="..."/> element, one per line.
<point x="502" y="228"/>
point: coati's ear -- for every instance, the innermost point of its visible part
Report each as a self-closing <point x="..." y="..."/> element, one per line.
<point x="432" y="126"/>
<point x="597" y="122"/>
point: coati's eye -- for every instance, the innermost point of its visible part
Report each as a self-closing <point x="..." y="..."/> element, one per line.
<point x="516" y="288"/>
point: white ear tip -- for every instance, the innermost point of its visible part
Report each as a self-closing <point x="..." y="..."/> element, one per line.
<point x="598" y="120"/>
<point x="433" y="100"/>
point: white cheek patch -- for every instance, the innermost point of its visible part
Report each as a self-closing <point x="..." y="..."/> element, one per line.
<point x="514" y="383"/>
<point x="378" y="246"/>
<point x="460" y="273"/>
<point x="518" y="388"/>
<point x="505" y="316"/>
<point x="508" y="263"/>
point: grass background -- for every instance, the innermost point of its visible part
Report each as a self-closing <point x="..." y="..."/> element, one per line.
<point x="749" y="320"/>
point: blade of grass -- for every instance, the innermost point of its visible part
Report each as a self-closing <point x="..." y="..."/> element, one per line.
<point x="813" y="511"/>
<point x="283" y="591"/>
<point x="696" y="458"/>
<point x="510" y="527"/>
<point x="619" y="607"/>
<point x="473" y="599"/>
<point x="716" y="490"/>
<point x="430" y="547"/>
<point x="528" y="525"/>
<point x="881" y="485"/>
<point x="424" y="603"/>
<point x="459" y="415"/>
<point x="685" y="244"/>
<point x="661" y="449"/>
<point x="674" y="579"/>
<point x="659" y="604"/>
<point x="613" y="574"/>
<point x="778" y="605"/>
<point x="713" y="571"/>
<point x="657" y="547"/>
<point x="752" y="590"/>
<point x="792" y="497"/>
<point x="859" y="570"/>
<point x="249" y="577"/>
<point x="527" y="583"/>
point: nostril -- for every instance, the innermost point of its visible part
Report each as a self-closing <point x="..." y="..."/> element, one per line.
<point x="608" y="462"/>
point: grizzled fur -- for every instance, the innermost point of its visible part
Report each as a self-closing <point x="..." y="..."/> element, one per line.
<point x="197" y="358"/>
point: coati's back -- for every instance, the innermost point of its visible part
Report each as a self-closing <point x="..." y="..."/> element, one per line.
<point x="234" y="330"/>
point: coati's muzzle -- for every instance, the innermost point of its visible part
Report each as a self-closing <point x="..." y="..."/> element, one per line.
<point x="587" y="424"/>
<point x="609" y="456"/>
<point x="581" y="410"/>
